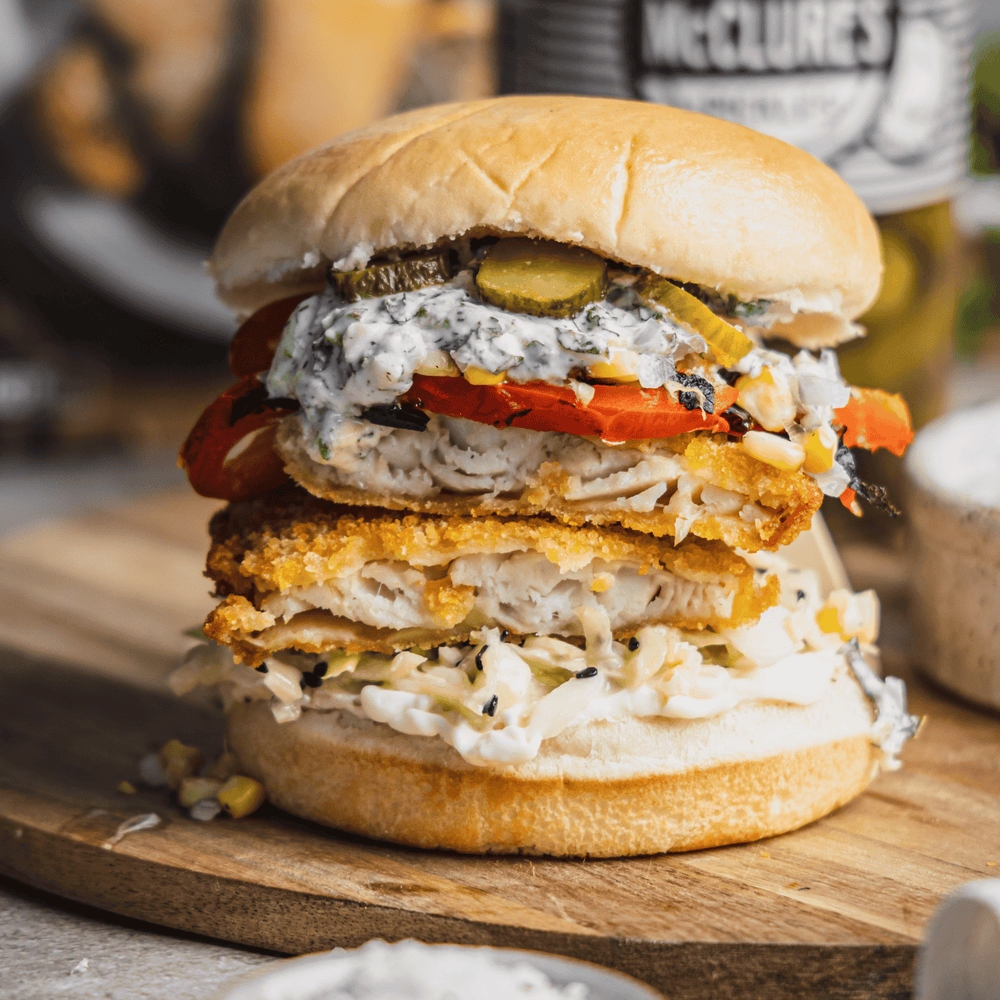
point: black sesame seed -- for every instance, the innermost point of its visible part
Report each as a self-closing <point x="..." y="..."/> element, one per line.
<point x="262" y="669"/>
<point x="503" y="635"/>
<point x="320" y="669"/>
<point x="479" y="659"/>
<point x="800" y="595"/>
<point x="633" y="644"/>
<point x="490" y="708"/>
<point x="586" y="672"/>
<point x="311" y="680"/>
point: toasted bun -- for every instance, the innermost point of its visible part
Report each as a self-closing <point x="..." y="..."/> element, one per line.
<point x="605" y="789"/>
<point x="688" y="196"/>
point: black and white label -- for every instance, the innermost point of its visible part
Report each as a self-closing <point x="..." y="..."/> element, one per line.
<point x="876" y="88"/>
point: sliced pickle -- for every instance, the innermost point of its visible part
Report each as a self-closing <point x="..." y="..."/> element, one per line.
<point x="405" y="275"/>
<point x="541" y="278"/>
<point x="727" y="344"/>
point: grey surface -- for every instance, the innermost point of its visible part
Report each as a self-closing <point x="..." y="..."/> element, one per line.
<point x="35" y="489"/>
<point x="50" y="949"/>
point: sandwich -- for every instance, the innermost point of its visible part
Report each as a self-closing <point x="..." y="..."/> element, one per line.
<point x="531" y="392"/>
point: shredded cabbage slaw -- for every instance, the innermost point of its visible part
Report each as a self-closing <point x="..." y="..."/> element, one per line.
<point x="495" y="701"/>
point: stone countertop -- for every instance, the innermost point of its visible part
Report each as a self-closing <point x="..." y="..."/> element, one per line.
<point x="54" y="948"/>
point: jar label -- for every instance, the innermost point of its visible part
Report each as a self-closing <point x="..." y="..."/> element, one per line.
<point x="876" y="88"/>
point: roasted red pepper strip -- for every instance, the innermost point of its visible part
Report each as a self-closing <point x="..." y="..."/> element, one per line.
<point x="875" y="419"/>
<point x="252" y="471"/>
<point x="252" y="349"/>
<point x="849" y="498"/>
<point x="616" y="413"/>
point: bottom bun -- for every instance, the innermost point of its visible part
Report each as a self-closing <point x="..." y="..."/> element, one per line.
<point x="603" y="789"/>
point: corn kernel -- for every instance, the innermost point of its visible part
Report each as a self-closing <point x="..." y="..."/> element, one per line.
<point x="602" y="582"/>
<point x="767" y="401"/>
<point x="620" y="368"/>
<point x="479" y="376"/>
<point x="774" y="450"/>
<point x="179" y="761"/>
<point x="241" y="795"/>
<point x="857" y="615"/>
<point x="193" y="790"/>
<point x="820" y="447"/>
<point x="126" y="788"/>
<point x="283" y="681"/>
<point x="437" y="363"/>
<point x="828" y="620"/>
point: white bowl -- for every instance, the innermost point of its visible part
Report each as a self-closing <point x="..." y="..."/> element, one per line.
<point x="304" y="978"/>
<point x="961" y="959"/>
<point x="953" y="472"/>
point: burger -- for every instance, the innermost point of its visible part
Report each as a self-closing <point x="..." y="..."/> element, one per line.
<point x="531" y="392"/>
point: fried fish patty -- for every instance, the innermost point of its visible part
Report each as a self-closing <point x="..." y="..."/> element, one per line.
<point x="700" y="484"/>
<point x="299" y="572"/>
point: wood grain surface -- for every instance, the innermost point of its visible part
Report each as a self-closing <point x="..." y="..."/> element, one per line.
<point x="91" y="616"/>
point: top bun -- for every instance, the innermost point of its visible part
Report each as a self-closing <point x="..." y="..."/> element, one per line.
<point x="690" y="197"/>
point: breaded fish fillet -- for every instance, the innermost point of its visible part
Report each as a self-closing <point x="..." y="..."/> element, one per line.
<point x="697" y="484"/>
<point x="298" y="572"/>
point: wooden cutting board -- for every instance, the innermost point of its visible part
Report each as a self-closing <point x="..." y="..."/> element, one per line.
<point x="91" y="616"/>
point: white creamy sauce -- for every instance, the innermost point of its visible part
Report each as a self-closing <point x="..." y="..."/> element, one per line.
<point x="495" y="702"/>
<point x="338" y="358"/>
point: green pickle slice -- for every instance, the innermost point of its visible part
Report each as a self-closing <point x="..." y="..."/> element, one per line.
<point x="394" y="276"/>
<point x="541" y="278"/>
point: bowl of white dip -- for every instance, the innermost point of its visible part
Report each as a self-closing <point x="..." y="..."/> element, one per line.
<point x="410" y="970"/>
<point x="953" y="473"/>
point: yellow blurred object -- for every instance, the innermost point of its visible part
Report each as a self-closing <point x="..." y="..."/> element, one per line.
<point x="126" y="788"/>
<point x="178" y="54"/>
<point x="241" y="796"/>
<point x="77" y="112"/>
<point x="910" y="326"/>
<point x="326" y="67"/>
<point x="179" y="761"/>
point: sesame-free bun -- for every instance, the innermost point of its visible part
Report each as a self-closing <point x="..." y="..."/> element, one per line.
<point x="603" y="789"/>
<point x="690" y="197"/>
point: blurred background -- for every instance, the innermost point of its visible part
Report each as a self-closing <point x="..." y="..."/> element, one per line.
<point x="129" y="128"/>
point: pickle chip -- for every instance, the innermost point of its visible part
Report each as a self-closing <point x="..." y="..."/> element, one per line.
<point x="541" y="278"/>
<point x="405" y="275"/>
<point x="726" y="343"/>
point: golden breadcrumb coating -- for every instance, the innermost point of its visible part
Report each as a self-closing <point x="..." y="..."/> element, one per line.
<point x="789" y="499"/>
<point x="290" y="539"/>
